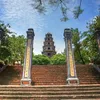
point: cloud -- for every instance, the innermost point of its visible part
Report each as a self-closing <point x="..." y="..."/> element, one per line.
<point x="60" y="47"/>
<point x="72" y="4"/>
<point x="97" y="2"/>
<point x="21" y="14"/>
<point x="37" y="46"/>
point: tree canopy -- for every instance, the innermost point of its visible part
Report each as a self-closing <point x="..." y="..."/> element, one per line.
<point x="85" y="46"/>
<point x="4" y="42"/>
<point x="16" y="48"/>
<point x="11" y="46"/>
<point x="42" y="5"/>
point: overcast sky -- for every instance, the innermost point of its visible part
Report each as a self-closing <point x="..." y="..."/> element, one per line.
<point x="21" y="16"/>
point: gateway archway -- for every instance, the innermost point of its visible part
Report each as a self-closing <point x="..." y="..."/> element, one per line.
<point x="71" y="68"/>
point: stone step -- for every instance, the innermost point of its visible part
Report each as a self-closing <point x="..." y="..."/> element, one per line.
<point x="51" y="87"/>
<point x="27" y="97"/>
<point x="53" y="99"/>
<point x="90" y="78"/>
<point x="49" y="75"/>
<point x="87" y="80"/>
<point x="89" y="83"/>
<point x="48" y="92"/>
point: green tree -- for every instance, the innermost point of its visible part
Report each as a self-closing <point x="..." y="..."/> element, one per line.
<point x="91" y="41"/>
<point x="17" y="48"/>
<point x="4" y="35"/>
<point x="94" y="28"/>
<point x="89" y="47"/>
<point x="58" y="59"/>
<point x="40" y="60"/>
<point x="76" y="40"/>
<point x="40" y="6"/>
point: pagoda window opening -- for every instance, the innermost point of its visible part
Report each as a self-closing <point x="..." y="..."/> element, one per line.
<point x="49" y="54"/>
<point x="48" y="48"/>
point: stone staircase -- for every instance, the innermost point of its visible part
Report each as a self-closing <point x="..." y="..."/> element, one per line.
<point x="11" y="75"/>
<point x="49" y="75"/>
<point x="50" y="92"/>
<point x="49" y="83"/>
<point x="87" y="74"/>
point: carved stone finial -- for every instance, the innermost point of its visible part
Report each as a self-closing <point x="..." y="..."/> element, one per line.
<point x="67" y="33"/>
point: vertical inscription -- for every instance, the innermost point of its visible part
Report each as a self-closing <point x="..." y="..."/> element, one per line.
<point x="27" y="58"/>
<point x="71" y="70"/>
<point x="71" y="63"/>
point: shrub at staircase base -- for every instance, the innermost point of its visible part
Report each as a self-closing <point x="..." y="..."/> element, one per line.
<point x="40" y="60"/>
<point x="58" y="59"/>
<point x="1" y="63"/>
<point x="96" y="60"/>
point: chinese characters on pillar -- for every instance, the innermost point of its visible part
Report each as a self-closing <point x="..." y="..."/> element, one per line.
<point x="71" y="63"/>
<point x="27" y="59"/>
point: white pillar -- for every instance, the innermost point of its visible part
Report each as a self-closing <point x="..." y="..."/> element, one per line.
<point x="26" y="77"/>
<point x="71" y="68"/>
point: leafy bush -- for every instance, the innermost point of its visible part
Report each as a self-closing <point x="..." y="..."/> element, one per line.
<point x="96" y="60"/>
<point x="4" y="52"/>
<point x="58" y="59"/>
<point x="1" y="63"/>
<point x="40" y="60"/>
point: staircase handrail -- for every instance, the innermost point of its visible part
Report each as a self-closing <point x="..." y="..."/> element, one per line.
<point x="1" y="69"/>
<point x="97" y="67"/>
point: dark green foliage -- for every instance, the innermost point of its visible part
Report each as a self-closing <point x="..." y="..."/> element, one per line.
<point x="4" y="53"/>
<point x="4" y="42"/>
<point x="17" y="48"/>
<point x="77" y="11"/>
<point x="42" y="5"/>
<point x="89" y="47"/>
<point x="94" y="30"/>
<point x="58" y="59"/>
<point x="11" y="47"/>
<point x="89" y="44"/>
<point x="77" y="46"/>
<point x="40" y="60"/>
<point x="1" y="63"/>
<point x="96" y="60"/>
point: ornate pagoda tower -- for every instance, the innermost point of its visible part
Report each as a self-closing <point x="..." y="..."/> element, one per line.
<point x="49" y="48"/>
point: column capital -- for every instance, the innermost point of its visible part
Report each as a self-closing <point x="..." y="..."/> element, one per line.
<point x="67" y="33"/>
<point x="30" y="33"/>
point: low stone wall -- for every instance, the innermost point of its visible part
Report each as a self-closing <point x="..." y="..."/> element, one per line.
<point x="97" y="67"/>
<point x="2" y="68"/>
<point x="48" y="65"/>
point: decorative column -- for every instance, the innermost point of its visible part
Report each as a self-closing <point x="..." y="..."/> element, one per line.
<point x="71" y="68"/>
<point x="26" y="77"/>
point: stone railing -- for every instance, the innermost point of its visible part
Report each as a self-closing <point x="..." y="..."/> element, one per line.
<point x="97" y="67"/>
<point x="2" y="68"/>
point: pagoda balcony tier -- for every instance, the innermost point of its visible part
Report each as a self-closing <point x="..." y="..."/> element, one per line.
<point x="49" y="51"/>
<point x="48" y="45"/>
<point x="53" y="47"/>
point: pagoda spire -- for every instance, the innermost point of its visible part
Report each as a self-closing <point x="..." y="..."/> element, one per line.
<point x="49" y="48"/>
